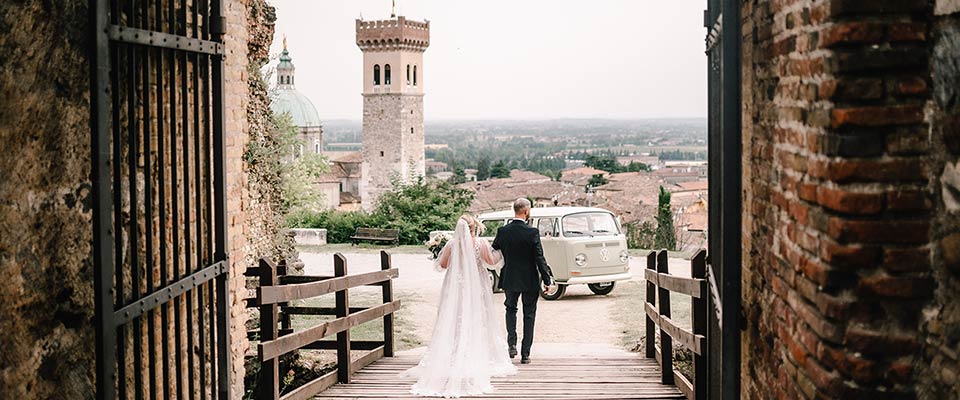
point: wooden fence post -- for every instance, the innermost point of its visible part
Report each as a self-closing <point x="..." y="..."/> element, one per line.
<point x="385" y="264"/>
<point x="269" y="370"/>
<point x="666" y="342"/>
<point x="343" y="310"/>
<point x="650" y="340"/>
<point x="698" y="269"/>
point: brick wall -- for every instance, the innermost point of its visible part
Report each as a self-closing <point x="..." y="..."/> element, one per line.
<point x="847" y="290"/>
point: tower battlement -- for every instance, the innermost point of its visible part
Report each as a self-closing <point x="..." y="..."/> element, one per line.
<point x="393" y="34"/>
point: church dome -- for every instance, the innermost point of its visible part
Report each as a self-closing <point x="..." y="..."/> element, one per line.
<point x="288" y="99"/>
<point x="300" y="108"/>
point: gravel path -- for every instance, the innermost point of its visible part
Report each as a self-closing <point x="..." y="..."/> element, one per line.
<point x="579" y="317"/>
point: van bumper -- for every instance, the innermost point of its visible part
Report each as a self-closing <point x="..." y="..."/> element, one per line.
<point x="578" y="280"/>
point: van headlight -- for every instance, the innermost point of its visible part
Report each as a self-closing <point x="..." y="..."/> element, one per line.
<point x="624" y="256"/>
<point x="580" y="259"/>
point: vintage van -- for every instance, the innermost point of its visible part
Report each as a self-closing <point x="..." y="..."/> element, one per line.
<point x="582" y="245"/>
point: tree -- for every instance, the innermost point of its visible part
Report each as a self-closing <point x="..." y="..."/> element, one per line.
<point x="666" y="236"/>
<point x="420" y="207"/>
<point x="608" y="164"/>
<point x="483" y="169"/>
<point x="559" y="175"/>
<point x="636" y="166"/>
<point x="458" y="176"/>
<point x="597" y="180"/>
<point x="500" y="170"/>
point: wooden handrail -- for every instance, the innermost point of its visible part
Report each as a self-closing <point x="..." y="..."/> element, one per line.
<point x="300" y="291"/>
<point x="294" y="341"/>
<point x="657" y="309"/>
<point x="277" y="338"/>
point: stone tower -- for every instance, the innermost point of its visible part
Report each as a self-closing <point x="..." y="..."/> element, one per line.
<point x="392" y="103"/>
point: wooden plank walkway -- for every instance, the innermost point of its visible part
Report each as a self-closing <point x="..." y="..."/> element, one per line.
<point x="608" y="376"/>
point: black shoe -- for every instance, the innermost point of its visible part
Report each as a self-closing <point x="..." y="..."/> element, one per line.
<point x="513" y="352"/>
<point x="525" y="360"/>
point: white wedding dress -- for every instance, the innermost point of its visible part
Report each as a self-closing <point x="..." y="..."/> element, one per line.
<point x="467" y="347"/>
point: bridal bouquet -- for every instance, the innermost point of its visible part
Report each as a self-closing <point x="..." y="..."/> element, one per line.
<point x="436" y="243"/>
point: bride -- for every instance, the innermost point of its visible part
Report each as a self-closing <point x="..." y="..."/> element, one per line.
<point x="467" y="347"/>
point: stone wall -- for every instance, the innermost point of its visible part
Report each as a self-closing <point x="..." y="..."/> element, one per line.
<point x="46" y="290"/>
<point x="848" y="289"/>
<point x="46" y="293"/>
<point x="939" y="369"/>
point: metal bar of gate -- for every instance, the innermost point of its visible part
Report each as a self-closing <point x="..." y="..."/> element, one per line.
<point x="103" y="262"/>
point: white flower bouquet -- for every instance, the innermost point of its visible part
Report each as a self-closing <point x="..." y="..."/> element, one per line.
<point x="436" y="243"/>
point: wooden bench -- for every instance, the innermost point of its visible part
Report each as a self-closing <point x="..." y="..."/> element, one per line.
<point x="377" y="235"/>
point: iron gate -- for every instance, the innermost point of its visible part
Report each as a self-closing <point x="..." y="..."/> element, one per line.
<point x="160" y="242"/>
<point x="722" y="20"/>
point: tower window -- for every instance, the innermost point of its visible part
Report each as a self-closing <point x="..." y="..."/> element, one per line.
<point x="376" y="74"/>
<point x="408" y="74"/>
<point x="414" y="75"/>
<point x="381" y="154"/>
<point x="411" y="130"/>
<point x="386" y="74"/>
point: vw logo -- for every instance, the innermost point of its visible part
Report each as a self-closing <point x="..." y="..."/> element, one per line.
<point x="604" y="254"/>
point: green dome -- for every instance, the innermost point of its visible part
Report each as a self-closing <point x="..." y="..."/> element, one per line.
<point x="300" y="108"/>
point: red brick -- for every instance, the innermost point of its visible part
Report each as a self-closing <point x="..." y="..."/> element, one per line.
<point x="886" y="343"/>
<point x="860" y="369"/>
<point x="829" y="383"/>
<point x="905" y="287"/>
<point x="872" y="170"/>
<point x="834" y="306"/>
<point x="877" y="116"/>
<point x="911" y="86"/>
<point x="907" y="32"/>
<point x="911" y="259"/>
<point x="908" y="200"/>
<point x="808" y="191"/>
<point x="849" y="256"/>
<point x="851" y="33"/>
<point x="883" y="231"/>
<point x="849" y="201"/>
<point x="798" y="211"/>
<point x="820" y="273"/>
<point x="900" y="371"/>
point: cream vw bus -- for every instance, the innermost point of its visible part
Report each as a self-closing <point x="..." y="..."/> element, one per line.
<point x="583" y="245"/>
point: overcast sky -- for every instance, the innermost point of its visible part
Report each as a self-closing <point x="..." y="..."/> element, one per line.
<point x="514" y="59"/>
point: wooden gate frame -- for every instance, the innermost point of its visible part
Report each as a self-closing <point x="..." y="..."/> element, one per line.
<point x="722" y="19"/>
<point x="124" y="27"/>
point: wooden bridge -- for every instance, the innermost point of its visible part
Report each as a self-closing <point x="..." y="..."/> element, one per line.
<point x="558" y="372"/>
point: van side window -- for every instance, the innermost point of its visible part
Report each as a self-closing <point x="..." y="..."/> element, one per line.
<point x="548" y="227"/>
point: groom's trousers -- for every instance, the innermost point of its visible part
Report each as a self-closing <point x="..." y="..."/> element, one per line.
<point x="529" y="316"/>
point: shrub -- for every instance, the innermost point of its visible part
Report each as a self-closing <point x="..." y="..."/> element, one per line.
<point x="414" y="209"/>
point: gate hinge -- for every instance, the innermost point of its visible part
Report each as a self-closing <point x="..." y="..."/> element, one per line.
<point x="218" y="25"/>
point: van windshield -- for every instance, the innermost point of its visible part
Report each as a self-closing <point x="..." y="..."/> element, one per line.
<point x="590" y="224"/>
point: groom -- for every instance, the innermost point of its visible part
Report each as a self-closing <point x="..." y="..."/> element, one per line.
<point x="524" y="268"/>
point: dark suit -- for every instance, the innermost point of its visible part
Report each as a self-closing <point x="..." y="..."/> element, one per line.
<point x="524" y="268"/>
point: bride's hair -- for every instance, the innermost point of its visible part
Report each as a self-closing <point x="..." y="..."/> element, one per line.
<point x="476" y="228"/>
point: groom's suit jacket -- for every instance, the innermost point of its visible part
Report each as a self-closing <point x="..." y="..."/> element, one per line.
<point x="523" y="264"/>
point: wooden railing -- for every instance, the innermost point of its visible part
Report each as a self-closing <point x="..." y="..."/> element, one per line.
<point x="657" y="306"/>
<point x="277" y="338"/>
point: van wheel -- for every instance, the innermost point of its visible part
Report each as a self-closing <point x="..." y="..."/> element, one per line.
<point x="601" y="288"/>
<point x="494" y="281"/>
<point x="555" y="294"/>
